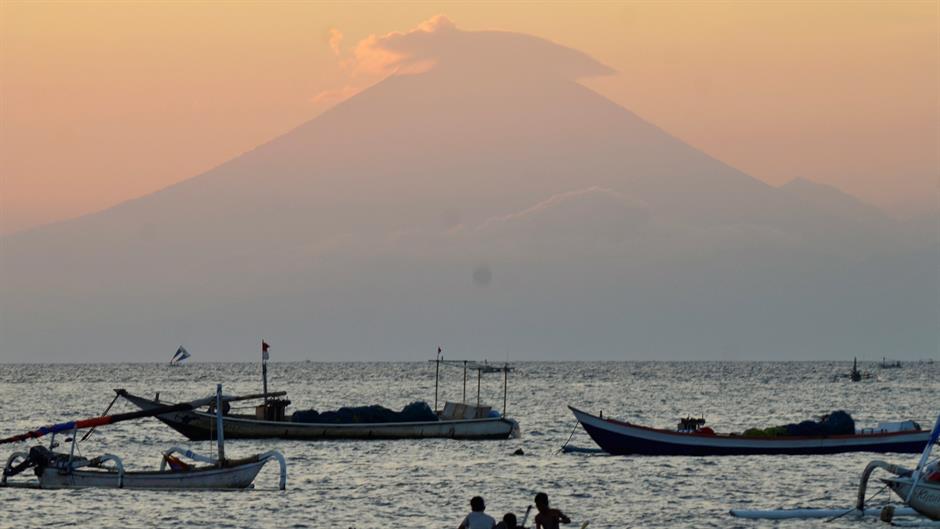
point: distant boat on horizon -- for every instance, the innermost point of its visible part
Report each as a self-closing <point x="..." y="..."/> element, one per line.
<point x="180" y="355"/>
<point x="854" y="375"/>
<point x="894" y="364"/>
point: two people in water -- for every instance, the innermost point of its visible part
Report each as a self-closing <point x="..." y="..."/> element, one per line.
<point x="547" y="517"/>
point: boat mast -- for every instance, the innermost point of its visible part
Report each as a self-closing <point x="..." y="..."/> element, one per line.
<point x="505" y="386"/>
<point x="264" y="377"/>
<point x="218" y="423"/>
<point x="264" y="369"/>
<point x="479" y="381"/>
<point x="437" y="375"/>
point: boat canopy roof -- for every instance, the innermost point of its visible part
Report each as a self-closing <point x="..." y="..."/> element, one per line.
<point x="474" y="365"/>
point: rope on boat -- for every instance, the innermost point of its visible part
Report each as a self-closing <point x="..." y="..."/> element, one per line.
<point x="854" y="509"/>
<point x="106" y="410"/>
<point x="573" y="430"/>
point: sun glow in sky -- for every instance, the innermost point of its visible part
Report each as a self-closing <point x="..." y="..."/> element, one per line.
<point x="103" y="102"/>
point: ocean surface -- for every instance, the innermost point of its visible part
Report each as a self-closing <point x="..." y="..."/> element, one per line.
<point x="428" y="484"/>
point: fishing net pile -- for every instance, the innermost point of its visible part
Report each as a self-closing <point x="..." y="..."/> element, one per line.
<point x="414" y="412"/>
<point x="836" y="423"/>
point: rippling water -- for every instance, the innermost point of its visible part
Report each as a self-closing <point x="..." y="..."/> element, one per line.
<point x="428" y="483"/>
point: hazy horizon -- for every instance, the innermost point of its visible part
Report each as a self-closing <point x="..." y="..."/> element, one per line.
<point x="430" y="361"/>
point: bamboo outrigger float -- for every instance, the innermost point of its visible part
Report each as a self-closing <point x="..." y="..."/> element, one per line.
<point x="56" y="470"/>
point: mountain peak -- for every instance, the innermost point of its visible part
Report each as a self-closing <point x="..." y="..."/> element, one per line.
<point x="600" y="230"/>
<point x="438" y="43"/>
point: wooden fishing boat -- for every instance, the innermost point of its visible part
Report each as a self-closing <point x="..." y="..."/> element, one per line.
<point x="55" y="470"/>
<point x="455" y="421"/>
<point x="622" y="438"/>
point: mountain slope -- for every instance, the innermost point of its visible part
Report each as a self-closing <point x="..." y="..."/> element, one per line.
<point x="361" y="232"/>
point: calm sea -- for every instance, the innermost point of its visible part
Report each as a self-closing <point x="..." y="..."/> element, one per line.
<point x="427" y="484"/>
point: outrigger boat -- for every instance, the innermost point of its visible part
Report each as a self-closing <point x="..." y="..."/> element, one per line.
<point x="56" y="470"/>
<point x="918" y="489"/>
<point x="180" y="355"/>
<point x="455" y="421"/>
<point x="623" y="438"/>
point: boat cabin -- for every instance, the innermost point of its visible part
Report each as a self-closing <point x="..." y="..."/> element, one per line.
<point x="272" y="409"/>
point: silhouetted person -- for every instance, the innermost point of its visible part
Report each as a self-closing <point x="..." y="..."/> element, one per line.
<point x="509" y="522"/>
<point x="548" y="518"/>
<point x="477" y="519"/>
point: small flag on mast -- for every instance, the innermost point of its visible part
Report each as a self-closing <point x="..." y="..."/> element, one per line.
<point x="264" y="351"/>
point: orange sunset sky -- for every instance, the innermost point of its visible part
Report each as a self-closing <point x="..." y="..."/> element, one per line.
<point x="102" y="102"/>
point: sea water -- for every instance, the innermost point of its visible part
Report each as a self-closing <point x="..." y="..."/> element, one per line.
<point x="428" y="483"/>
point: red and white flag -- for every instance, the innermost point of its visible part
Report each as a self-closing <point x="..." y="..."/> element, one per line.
<point x="264" y="351"/>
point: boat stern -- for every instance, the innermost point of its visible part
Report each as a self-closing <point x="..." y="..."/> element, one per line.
<point x="515" y="432"/>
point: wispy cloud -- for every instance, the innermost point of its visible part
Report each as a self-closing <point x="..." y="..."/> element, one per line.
<point x="438" y="41"/>
<point x="388" y="54"/>
<point x="336" y="41"/>
<point x="378" y="56"/>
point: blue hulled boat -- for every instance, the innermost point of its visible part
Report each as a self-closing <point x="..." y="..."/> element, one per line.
<point x="622" y="438"/>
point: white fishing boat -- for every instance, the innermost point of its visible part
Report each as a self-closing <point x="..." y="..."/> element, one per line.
<point x="463" y="420"/>
<point x="56" y="470"/>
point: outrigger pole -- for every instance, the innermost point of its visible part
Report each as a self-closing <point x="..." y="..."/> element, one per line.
<point x="107" y="419"/>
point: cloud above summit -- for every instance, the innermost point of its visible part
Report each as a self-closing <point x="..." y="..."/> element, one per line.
<point x="438" y="44"/>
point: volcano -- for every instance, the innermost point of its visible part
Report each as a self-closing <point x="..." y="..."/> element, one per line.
<point x="487" y="200"/>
